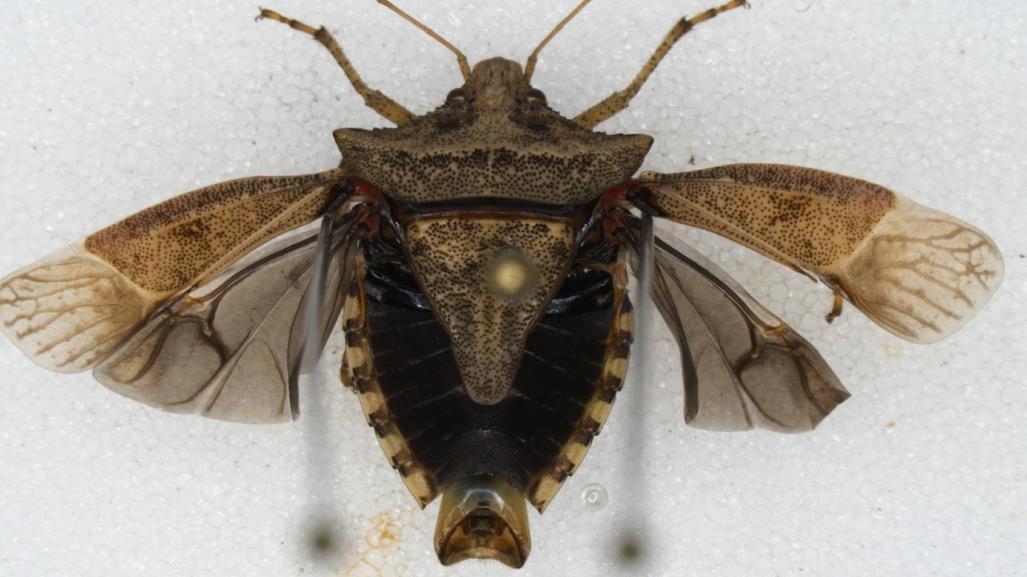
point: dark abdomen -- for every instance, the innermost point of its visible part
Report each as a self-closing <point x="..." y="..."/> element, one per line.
<point x="526" y="437"/>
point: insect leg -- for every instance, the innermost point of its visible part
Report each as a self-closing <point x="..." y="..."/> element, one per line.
<point x="316" y="294"/>
<point x="631" y="546"/>
<point x="374" y="99"/>
<point x="836" y="307"/>
<point x="324" y="522"/>
<point x="619" y="100"/>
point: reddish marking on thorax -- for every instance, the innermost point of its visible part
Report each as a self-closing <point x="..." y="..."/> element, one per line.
<point x="618" y="193"/>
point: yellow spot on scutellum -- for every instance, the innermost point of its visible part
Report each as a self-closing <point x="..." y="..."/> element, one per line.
<point x="511" y="274"/>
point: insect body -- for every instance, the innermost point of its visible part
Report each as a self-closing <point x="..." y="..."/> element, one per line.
<point x="478" y="256"/>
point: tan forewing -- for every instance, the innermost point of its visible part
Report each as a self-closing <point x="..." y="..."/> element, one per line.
<point x="232" y="351"/>
<point x="170" y="246"/>
<point x="743" y="367"/>
<point x="71" y="309"/>
<point x="918" y="273"/>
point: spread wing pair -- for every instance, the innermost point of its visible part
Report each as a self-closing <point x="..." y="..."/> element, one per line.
<point x="916" y="272"/>
<point x="196" y="304"/>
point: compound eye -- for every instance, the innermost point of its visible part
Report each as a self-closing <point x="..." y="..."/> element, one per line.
<point x="456" y="97"/>
<point x="536" y="97"/>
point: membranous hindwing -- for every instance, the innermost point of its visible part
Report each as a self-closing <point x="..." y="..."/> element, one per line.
<point x="480" y="255"/>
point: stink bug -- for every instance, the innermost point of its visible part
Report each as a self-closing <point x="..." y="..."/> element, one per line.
<point x="467" y="247"/>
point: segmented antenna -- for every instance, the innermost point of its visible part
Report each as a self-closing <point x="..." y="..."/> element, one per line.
<point x="529" y="65"/>
<point x="465" y="68"/>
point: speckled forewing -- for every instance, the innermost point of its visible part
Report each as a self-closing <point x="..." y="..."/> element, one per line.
<point x="70" y="310"/>
<point x="917" y="272"/>
<point x="169" y="246"/>
<point x="452" y="255"/>
<point x="231" y="351"/>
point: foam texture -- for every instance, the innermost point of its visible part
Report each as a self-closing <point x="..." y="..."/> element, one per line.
<point x="109" y="107"/>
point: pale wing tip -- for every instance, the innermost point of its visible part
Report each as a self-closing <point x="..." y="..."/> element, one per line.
<point x="922" y="274"/>
<point x="69" y="310"/>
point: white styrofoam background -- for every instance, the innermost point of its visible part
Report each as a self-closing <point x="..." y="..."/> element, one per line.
<point x="108" y="107"/>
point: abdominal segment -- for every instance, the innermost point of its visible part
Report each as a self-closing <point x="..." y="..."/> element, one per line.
<point x="401" y="362"/>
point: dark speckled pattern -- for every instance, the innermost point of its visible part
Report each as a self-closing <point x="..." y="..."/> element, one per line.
<point x="492" y="140"/>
